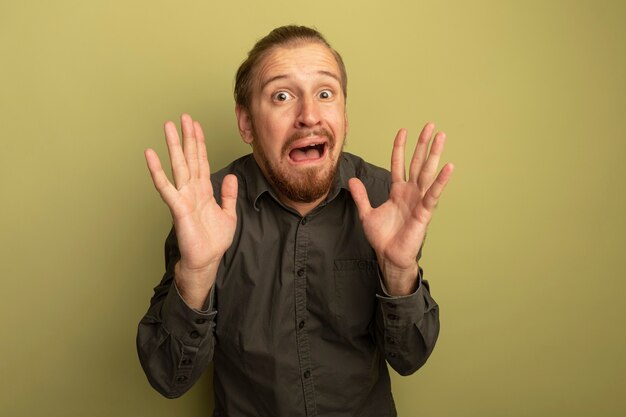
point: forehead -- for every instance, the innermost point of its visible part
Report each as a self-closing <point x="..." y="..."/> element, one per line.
<point x="299" y="61"/>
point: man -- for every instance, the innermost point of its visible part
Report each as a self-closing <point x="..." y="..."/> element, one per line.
<point x="278" y="267"/>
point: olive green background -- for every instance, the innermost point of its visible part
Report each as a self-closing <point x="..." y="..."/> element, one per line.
<point x="525" y="253"/>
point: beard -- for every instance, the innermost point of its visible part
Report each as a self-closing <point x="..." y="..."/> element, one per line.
<point x="303" y="185"/>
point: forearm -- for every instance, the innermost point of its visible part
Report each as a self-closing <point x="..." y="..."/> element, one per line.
<point x="407" y="329"/>
<point x="175" y="343"/>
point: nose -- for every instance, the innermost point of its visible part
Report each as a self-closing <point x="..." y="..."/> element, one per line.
<point x="308" y="113"/>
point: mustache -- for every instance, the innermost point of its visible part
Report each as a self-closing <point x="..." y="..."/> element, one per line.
<point x="310" y="132"/>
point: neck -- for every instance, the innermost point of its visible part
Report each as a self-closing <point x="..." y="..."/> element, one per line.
<point x="302" y="208"/>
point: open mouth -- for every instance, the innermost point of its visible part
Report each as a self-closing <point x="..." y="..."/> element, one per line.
<point x="310" y="152"/>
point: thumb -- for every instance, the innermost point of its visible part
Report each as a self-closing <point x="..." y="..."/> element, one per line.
<point x="229" y="193"/>
<point x="359" y="195"/>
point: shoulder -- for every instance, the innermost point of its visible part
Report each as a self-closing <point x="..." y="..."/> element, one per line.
<point x="242" y="168"/>
<point x="237" y="167"/>
<point x="377" y="180"/>
<point x="355" y="167"/>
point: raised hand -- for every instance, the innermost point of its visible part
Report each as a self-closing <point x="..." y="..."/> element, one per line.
<point x="204" y="229"/>
<point x="397" y="228"/>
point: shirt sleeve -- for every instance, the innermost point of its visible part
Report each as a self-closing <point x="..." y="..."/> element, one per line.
<point x="407" y="327"/>
<point x="175" y="342"/>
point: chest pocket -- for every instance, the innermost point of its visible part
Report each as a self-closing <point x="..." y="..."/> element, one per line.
<point x="356" y="281"/>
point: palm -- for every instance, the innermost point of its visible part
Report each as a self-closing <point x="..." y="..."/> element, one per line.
<point x="396" y="229"/>
<point x="203" y="229"/>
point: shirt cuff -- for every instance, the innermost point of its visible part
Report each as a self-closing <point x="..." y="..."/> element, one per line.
<point x="189" y="325"/>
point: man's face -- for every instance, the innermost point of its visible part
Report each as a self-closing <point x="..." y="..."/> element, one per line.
<point x="297" y="122"/>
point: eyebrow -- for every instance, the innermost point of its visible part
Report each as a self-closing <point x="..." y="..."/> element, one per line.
<point x="284" y="76"/>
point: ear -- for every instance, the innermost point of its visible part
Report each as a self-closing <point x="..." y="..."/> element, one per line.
<point x="244" y="122"/>
<point x="345" y="120"/>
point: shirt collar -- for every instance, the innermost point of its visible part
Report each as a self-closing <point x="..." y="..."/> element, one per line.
<point x="257" y="184"/>
<point x="344" y="173"/>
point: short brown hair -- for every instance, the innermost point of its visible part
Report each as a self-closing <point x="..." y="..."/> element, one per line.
<point x="284" y="35"/>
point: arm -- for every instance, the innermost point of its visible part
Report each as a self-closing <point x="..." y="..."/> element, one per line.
<point x="175" y="342"/>
<point x="407" y="320"/>
<point x="175" y="338"/>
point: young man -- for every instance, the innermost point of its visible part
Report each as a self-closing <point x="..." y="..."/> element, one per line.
<point x="295" y="268"/>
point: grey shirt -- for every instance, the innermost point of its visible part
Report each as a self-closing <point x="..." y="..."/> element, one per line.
<point x="298" y="322"/>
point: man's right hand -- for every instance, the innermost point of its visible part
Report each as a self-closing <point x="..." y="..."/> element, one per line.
<point x="204" y="230"/>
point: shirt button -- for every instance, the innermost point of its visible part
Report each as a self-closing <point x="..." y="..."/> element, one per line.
<point x="307" y="373"/>
<point x="392" y="305"/>
<point x="301" y="324"/>
<point x="181" y="378"/>
<point x="391" y="340"/>
<point x="200" y="321"/>
<point x="303" y="221"/>
<point x="300" y="272"/>
<point x="194" y="335"/>
<point x="392" y="317"/>
<point x="186" y="362"/>
<point x="392" y="354"/>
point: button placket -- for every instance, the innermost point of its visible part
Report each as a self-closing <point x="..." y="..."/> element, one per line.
<point x="302" y="340"/>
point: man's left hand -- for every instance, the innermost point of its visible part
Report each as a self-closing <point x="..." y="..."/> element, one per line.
<point x="396" y="229"/>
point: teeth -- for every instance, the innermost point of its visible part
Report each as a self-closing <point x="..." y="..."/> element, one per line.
<point x="312" y="145"/>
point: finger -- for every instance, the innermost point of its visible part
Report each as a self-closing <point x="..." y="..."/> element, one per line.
<point x="190" y="147"/>
<point x="436" y="189"/>
<point x="159" y="179"/>
<point x="421" y="151"/>
<point x="229" y="194"/>
<point x="429" y="170"/>
<point x="203" y="160"/>
<point x="180" y="172"/>
<point x="359" y="195"/>
<point x="204" y="169"/>
<point x="398" y="173"/>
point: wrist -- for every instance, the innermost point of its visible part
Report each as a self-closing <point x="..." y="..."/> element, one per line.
<point x="194" y="284"/>
<point x="400" y="281"/>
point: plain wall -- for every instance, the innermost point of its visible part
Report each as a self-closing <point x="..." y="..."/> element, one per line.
<point x="524" y="254"/>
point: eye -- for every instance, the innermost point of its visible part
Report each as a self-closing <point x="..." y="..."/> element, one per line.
<point x="326" y="94"/>
<point x="282" y="96"/>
